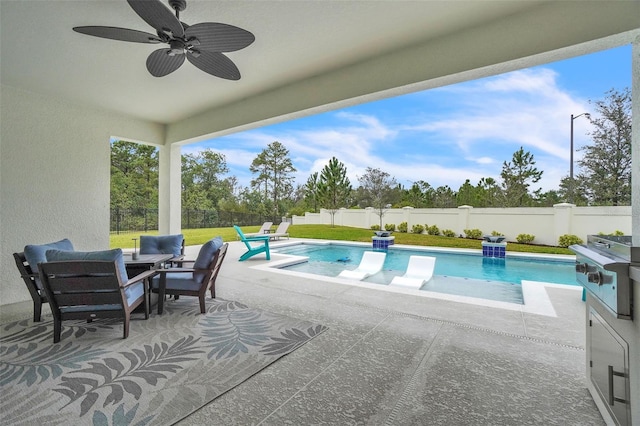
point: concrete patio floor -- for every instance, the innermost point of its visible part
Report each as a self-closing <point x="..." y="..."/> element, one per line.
<point x="397" y="359"/>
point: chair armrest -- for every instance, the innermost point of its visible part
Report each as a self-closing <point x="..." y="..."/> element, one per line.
<point x="179" y="270"/>
<point x="179" y="260"/>
<point x="258" y="238"/>
<point x="140" y="277"/>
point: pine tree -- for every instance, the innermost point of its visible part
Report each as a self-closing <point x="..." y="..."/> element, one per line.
<point x="275" y="175"/>
<point x="311" y="191"/>
<point x="517" y="175"/>
<point x="606" y="165"/>
<point x="334" y="187"/>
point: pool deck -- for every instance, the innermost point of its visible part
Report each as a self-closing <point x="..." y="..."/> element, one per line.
<point x="397" y="359"/>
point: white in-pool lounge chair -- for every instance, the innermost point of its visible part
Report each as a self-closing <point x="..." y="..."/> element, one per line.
<point x="370" y="264"/>
<point x="419" y="271"/>
<point x="281" y="231"/>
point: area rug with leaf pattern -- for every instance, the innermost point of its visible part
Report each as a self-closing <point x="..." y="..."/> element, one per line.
<point x="168" y="367"/>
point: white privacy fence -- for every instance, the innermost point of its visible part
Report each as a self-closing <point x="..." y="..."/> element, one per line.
<point x="545" y="223"/>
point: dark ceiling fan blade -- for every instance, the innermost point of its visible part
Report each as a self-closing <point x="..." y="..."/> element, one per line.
<point x="216" y="37"/>
<point x="157" y="15"/>
<point x="115" y="33"/>
<point x="216" y="64"/>
<point x="160" y="63"/>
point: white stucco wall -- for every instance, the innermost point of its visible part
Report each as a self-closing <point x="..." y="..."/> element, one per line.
<point x="54" y="176"/>
<point x="545" y="223"/>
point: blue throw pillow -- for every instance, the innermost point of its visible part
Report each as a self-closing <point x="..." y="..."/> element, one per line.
<point x="108" y="255"/>
<point x="205" y="255"/>
<point x="168" y="244"/>
<point x="37" y="253"/>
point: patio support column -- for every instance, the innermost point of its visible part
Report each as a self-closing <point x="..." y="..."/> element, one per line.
<point x="170" y="190"/>
<point x="635" y="141"/>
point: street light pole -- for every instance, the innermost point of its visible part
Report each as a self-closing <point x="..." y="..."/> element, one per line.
<point x="586" y="114"/>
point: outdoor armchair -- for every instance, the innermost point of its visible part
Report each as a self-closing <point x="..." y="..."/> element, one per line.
<point x="253" y="249"/>
<point x="193" y="281"/>
<point x="27" y="263"/>
<point x="91" y="285"/>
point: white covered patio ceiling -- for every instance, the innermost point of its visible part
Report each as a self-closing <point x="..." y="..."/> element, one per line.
<point x="308" y="56"/>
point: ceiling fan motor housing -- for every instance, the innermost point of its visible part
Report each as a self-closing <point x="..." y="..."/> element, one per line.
<point x="178" y="5"/>
<point x="176" y="47"/>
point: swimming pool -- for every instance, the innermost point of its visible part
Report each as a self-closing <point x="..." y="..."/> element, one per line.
<point x="460" y="272"/>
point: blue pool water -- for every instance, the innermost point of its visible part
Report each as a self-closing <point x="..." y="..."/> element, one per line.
<point x="473" y="275"/>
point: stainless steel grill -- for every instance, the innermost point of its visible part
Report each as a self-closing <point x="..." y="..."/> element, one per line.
<point x="602" y="267"/>
<point x="609" y="267"/>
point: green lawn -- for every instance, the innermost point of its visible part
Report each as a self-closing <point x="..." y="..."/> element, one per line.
<point x="343" y="233"/>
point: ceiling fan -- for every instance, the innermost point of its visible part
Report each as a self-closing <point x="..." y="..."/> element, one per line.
<point x="202" y="44"/>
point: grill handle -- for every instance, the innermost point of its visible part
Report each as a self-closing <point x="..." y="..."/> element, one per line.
<point x="612" y="398"/>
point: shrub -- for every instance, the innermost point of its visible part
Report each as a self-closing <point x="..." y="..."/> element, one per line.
<point x="417" y="229"/>
<point x="525" y="238"/>
<point x="614" y="233"/>
<point x="567" y="239"/>
<point x="296" y="211"/>
<point x="375" y="227"/>
<point x="474" y="234"/>
<point x="448" y="233"/>
<point x="390" y="227"/>
<point x="403" y="227"/>
<point x="433" y="230"/>
<point x="497" y="234"/>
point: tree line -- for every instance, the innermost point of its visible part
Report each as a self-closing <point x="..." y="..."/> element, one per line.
<point x="604" y="178"/>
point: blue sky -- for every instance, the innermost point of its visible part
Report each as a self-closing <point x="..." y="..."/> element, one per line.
<point x="446" y="135"/>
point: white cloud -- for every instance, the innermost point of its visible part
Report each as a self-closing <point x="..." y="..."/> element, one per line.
<point x="459" y="132"/>
<point x="527" y="81"/>
<point x="501" y="114"/>
<point x="483" y="160"/>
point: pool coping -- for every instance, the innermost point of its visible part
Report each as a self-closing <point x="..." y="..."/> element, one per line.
<point x="535" y="297"/>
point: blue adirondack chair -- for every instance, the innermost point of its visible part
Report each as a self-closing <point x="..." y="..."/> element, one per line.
<point x="252" y="250"/>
